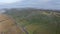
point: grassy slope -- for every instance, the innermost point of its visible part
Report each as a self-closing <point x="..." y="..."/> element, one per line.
<point x="37" y="22"/>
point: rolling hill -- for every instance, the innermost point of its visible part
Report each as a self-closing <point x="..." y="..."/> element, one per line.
<point x="37" y="21"/>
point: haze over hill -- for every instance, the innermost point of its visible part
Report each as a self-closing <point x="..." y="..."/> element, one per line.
<point x="46" y="4"/>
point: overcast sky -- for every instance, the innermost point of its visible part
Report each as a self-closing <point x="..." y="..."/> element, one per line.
<point x="12" y="1"/>
<point x="45" y="3"/>
<point x="8" y="1"/>
<point x="42" y="1"/>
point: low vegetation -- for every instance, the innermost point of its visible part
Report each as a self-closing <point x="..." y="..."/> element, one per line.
<point x="37" y="21"/>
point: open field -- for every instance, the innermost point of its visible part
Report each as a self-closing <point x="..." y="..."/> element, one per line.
<point x="36" y="21"/>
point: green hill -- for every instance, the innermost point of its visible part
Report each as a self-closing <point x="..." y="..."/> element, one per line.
<point x="37" y="21"/>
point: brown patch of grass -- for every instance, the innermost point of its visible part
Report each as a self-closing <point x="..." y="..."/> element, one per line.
<point x="8" y="26"/>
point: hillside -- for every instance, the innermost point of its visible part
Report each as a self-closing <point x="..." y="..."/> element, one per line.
<point x="37" y="21"/>
<point x="8" y="25"/>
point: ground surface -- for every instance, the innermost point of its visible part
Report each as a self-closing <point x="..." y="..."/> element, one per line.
<point x="37" y="21"/>
<point x="8" y="25"/>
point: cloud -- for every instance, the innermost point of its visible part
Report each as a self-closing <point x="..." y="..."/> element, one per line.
<point x="47" y="4"/>
<point x="45" y="0"/>
<point x="8" y="1"/>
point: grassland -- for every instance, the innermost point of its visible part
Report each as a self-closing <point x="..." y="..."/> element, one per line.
<point x="37" y="21"/>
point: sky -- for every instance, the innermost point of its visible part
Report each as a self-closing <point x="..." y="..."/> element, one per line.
<point x="55" y="4"/>
<point x="12" y="1"/>
<point x="8" y="1"/>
